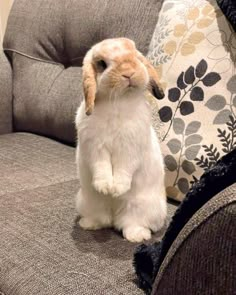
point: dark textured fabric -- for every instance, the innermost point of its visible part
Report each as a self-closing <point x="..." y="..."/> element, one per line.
<point x="46" y="97"/>
<point x="202" y="258"/>
<point x="62" y="31"/>
<point x="229" y="9"/>
<point x="5" y="95"/>
<point x="29" y="161"/>
<point x="212" y="182"/>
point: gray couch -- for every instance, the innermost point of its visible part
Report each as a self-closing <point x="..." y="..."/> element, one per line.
<point x="42" y="249"/>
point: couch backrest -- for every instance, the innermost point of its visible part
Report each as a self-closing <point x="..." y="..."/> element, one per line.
<point x="48" y="40"/>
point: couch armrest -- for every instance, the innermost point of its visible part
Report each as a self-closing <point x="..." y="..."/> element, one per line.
<point x="200" y="260"/>
<point x="5" y="94"/>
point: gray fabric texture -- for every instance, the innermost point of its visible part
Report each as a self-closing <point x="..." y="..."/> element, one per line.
<point x="46" y="97"/>
<point x="200" y="261"/>
<point x="5" y="94"/>
<point x="48" y="39"/>
<point x="62" y="31"/>
<point x="42" y="249"/>
<point x="29" y="161"/>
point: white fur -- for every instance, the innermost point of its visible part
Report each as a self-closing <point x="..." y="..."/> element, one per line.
<point x="121" y="167"/>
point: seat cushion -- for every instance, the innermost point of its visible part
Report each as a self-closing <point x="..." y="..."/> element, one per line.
<point x="29" y="161"/>
<point x="44" y="252"/>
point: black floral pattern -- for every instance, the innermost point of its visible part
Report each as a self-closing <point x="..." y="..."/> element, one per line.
<point x="228" y="141"/>
<point x="189" y="86"/>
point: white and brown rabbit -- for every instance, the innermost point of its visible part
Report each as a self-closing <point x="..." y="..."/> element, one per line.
<point x="118" y="155"/>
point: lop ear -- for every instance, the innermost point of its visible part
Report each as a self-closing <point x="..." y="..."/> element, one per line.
<point x="154" y="83"/>
<point x="89" y="83"/>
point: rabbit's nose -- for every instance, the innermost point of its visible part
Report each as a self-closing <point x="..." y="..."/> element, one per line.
<point x="128" y="75"/>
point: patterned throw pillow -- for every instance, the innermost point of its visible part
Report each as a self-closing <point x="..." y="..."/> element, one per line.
<point x="194" y="51"/>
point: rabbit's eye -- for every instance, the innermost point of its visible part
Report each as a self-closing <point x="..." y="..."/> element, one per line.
<point x="101" y="65"/>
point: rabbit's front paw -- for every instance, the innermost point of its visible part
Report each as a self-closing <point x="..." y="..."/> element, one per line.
<point x="103" y="186"/>
<point x="89" y="224"/>
<point x="120" y="186"/>
<point x="136" y="234"/>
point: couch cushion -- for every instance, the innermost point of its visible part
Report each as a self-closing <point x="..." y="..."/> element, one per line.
<point x="62" y="31"/>
<point x="46" y="97"/>
<point x="43" y="251"/>
<point x="53" y="35"/>
<point x="194" y="50"/>
<point x="28" y="161"/>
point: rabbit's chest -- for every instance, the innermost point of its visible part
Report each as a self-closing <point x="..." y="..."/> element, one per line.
<point x="116" y="132"/>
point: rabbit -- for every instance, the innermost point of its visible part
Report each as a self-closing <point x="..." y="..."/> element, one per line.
<point x="118" y="156"/>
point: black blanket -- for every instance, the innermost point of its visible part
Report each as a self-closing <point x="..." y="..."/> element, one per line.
<point x="228" y="7"/>
<point x="147" y="259"/>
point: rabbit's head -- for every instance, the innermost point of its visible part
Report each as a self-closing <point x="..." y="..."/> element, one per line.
<point x="116" y="66"/>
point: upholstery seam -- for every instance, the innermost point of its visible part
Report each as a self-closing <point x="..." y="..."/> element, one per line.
<point x="57" y="76"/>
<point x="34" y="58"/>
<point x="40" y="59"/>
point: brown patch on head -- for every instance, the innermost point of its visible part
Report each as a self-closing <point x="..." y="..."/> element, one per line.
<point x="121" y="58"/>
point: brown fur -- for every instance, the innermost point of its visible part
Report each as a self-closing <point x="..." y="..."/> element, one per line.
<point x="127" y="64"/>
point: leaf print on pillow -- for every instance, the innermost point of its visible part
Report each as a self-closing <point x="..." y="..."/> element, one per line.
<point x="180" y="81"/>
<point x="193" y="127"/>
<point x="189" y="76"/>
<point x="211" y="79"/>
<point x="170" y="47"/>
<point x="188" y="167"/>
<point x="204" y="22"/>
<point x="174" y="94"/>
<point x="183" y="185"/>
<point x="192" y="151"/>
<point x="225" y="140"/>
<point x="204" y="162"/>
<point x="186" y="108"/>
<point x="234" y="101"/>
<point x="223" y="65"/>
<point x="178" y="126"/>
<point x="216" y="103"/>
<point x="222" y="117"/>
<point x="167" y="6"/>
<point x="179" y="30"/>
<point x="193" y="13"/>
<point x="197" y="94"/>
<point x="174" y="145"/>
<point x="218" y="52"/>
<point x="187" y="49"/>
<point x="217" y="37"/>
<point x="196" y="37"/>
<point x="193" y="139"/>
<point x="170" y="163"/>
<point x="231" y="85"/>
<point x="165" y="114"/>
<point x="212" y="153"/>
<point x="207" y="9"/>
<point x="201" y="68"/>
